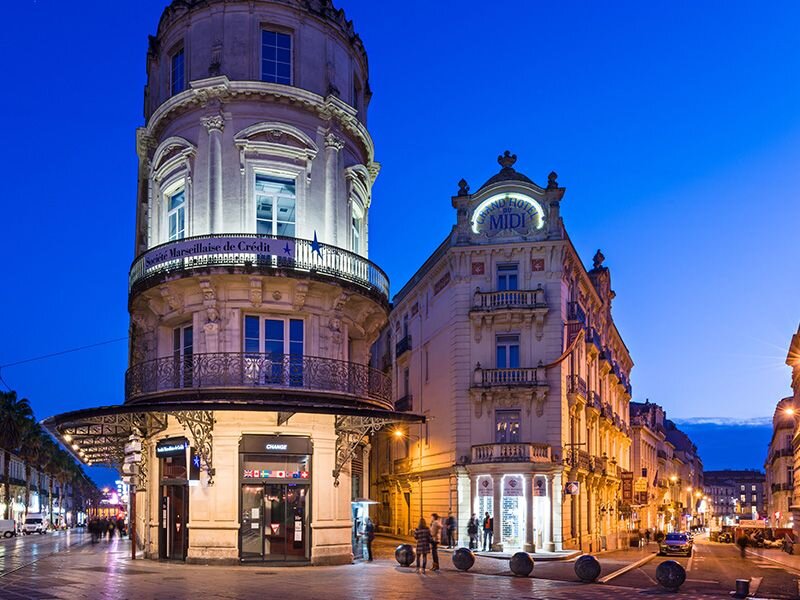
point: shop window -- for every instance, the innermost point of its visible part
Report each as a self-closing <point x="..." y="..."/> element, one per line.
<point x="177" y="72"/>
<point x="276" y="57"/>
<point x="507" y="277"/>
<point x="275" y="206"/>
<point x="176" y="214"/>
<point x="506" y="426"/>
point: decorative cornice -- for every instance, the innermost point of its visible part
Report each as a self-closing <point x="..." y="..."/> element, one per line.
<point x="213" y="123"/>
<point x="329" y="108"/>
<point x="334" y="142"/>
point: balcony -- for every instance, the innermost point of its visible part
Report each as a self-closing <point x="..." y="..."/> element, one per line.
<point x="508" y="377"/>
<point x="578" y="459"/>
<point x="661" y="454"/>
<point x="595" y="401"/>
<point x="577" y="385"/>
<point x="509" y="299"/>
<point x="255" y="253"/>
<point x="404" y="404"/>
<point x="519" y="452"/>
<point x="781" y="487"/>
<point x="403" y="346"/>
<point x="237" y="376"/>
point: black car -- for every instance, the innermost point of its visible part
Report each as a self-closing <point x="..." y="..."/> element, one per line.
<point x="676" y="543"/>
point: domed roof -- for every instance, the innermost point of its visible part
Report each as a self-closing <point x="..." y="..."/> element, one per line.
<point x="507" y="172"/>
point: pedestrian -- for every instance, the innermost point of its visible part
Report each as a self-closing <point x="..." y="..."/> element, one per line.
<point x="369" y="534"/>
<point x="472" y="530"/>
<point x="436" y="537"/>
<point x="423" y="536"/>
<point x="452" y="531"/>
<point x="647" y="536"/>
<point x="488" y="532"/>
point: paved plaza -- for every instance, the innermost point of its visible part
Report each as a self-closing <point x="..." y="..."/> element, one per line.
<point x="69" y="567"/>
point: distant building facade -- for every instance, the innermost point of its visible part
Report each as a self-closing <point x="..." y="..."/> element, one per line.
<point x="45" y="494"/>
<point x="779" y="466"/>
<point x="745" y="489"/>
<point x="507" y="345"/>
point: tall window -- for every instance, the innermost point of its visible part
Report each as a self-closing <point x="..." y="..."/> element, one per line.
<point x="506" y="426"/>
<point x="357" y="228"/>
<point x="178" y="72"/>
<point x="281" y="343"/>
<point x="507" y="276"/>
<point x="183" y="354"/>
<point x="276" y="57"/>
<point x="176" y="214"/>
<point x="275" y="206"/>
<point x="507" y="352"/>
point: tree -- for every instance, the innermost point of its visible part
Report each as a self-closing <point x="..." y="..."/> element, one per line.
<point x="15" y="416"/>
<point x="31" y="451"/>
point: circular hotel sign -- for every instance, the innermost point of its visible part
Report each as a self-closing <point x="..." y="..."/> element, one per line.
<point x="509" y="212"/>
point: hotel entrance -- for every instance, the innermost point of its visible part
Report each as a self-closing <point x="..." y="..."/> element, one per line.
<point x="173" y="515"/>
<point x="275" y="498"/>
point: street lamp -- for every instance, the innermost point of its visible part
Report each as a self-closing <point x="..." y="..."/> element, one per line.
<point x="400" y="434"/>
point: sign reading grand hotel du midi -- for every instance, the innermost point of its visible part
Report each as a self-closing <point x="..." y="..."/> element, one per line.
<point x="510" y="212"/>
<point x="260" y="247"/>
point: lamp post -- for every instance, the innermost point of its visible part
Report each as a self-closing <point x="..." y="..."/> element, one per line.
<point x="399" y="434"/>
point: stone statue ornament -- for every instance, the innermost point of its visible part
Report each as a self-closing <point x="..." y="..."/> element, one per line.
<point x="463" y="188"/>
<point x="507" y="160"/>
<point x="598" y="259"/>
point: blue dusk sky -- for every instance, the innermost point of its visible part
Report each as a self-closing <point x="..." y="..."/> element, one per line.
<point x="674" y="126"/>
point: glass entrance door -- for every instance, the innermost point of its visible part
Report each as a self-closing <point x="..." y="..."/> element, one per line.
<point x="274" y="522"/>
<point x="172" y="520"/>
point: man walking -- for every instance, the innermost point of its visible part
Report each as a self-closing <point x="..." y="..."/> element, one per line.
<point x="369" y="534"/>
<point x="488" y="532"/>
<point x="436" y="533"/>
<point x="452" y="531"/>
<point x="472" y="530"/>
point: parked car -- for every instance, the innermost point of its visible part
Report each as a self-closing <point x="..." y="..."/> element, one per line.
<point x="8" y="528"/>
<point x="676" y="543"/>
<point x="34" y="524"/>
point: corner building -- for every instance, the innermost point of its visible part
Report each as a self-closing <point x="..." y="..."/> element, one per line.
<point x="248" y="398"/>
<point x="506" y="343"/>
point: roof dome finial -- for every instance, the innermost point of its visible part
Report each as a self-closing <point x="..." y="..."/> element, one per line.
<point x="507" y="160"/>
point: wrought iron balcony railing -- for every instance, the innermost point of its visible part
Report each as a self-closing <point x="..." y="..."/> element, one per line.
<point x="237" y="370"/>
<point x="516" y="452"/>
<point x="257" y="252"/>
<point x="509" y="377"/>
<point x="404" y="404"/>
<point x="577" y="385"/>
<point x="403" y="346"/>
<point x="509" y="299"/>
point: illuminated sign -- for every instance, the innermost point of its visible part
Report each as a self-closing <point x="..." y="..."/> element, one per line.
<point x="509" y="212"/>
<point x="171" y="447"/>
<point x="283" y="447"/>
<point x="274" y="474"/>
<point x="261" y="247"/>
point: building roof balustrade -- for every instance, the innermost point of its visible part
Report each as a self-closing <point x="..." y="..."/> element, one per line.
<point x="256" y="253"/>
<point x="300" y="377"/>
<point x="508" y="377"/>
<point x="511" y="452"/>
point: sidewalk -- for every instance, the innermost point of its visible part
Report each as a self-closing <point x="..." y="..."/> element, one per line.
<point x="789" y="561"/>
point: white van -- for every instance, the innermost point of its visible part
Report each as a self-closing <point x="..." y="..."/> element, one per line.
<point x="8" y="528"/>
<point x="34" y="524"/>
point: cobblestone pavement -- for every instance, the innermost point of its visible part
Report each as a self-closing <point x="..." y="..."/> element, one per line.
<point x="105" y="571"/>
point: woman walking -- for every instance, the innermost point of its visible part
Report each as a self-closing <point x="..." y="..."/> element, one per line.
<point x="423" y="536"/>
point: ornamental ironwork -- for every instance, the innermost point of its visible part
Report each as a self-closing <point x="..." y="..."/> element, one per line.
<point x="292" y="372"/>
<point x="350" y="433"/>
<point x="200" y="424"/>
<point x="307" y="257"/>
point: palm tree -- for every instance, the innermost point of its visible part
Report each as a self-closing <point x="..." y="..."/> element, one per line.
<point x="15" y="414"/>
<point x="31" y="451"/>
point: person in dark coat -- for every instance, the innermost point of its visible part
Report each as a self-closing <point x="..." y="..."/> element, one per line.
<point x="472" y="529"/>
<point x="452" y="531"/>
<point x="423" y="536"/>
<point x="369" y="535"/>
<point x="488" y="532"/>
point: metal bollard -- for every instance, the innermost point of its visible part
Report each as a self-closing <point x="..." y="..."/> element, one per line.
<point x="742" y="588"/>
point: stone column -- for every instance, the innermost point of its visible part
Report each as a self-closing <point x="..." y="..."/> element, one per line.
<point x="497" y="512"/>
<point x="214" y="125"/>
<point x="555" y="511"/>
<point x="547" y="536"/>
<point x="530" y="543"/>
<point x="333" y="145"/>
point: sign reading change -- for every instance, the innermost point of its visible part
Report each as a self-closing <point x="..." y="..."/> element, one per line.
<point x="260" y="247"/>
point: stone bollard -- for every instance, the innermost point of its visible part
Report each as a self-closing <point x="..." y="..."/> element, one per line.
<point x="671" y="575"/>
<point x="404" y="554"/>
<point x="521" y="564"/>
<point x="463" y="559"/>
<point x="587" y="568"/>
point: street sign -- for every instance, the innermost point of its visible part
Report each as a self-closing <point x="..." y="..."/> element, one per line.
<point x="627" y="487"/>
<point x="640" y="485"/>
<point x="134" y="457"/>
<point x="752" y="523"/>
<point x="572" y="488"/>
<point x="133" y="446"/>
